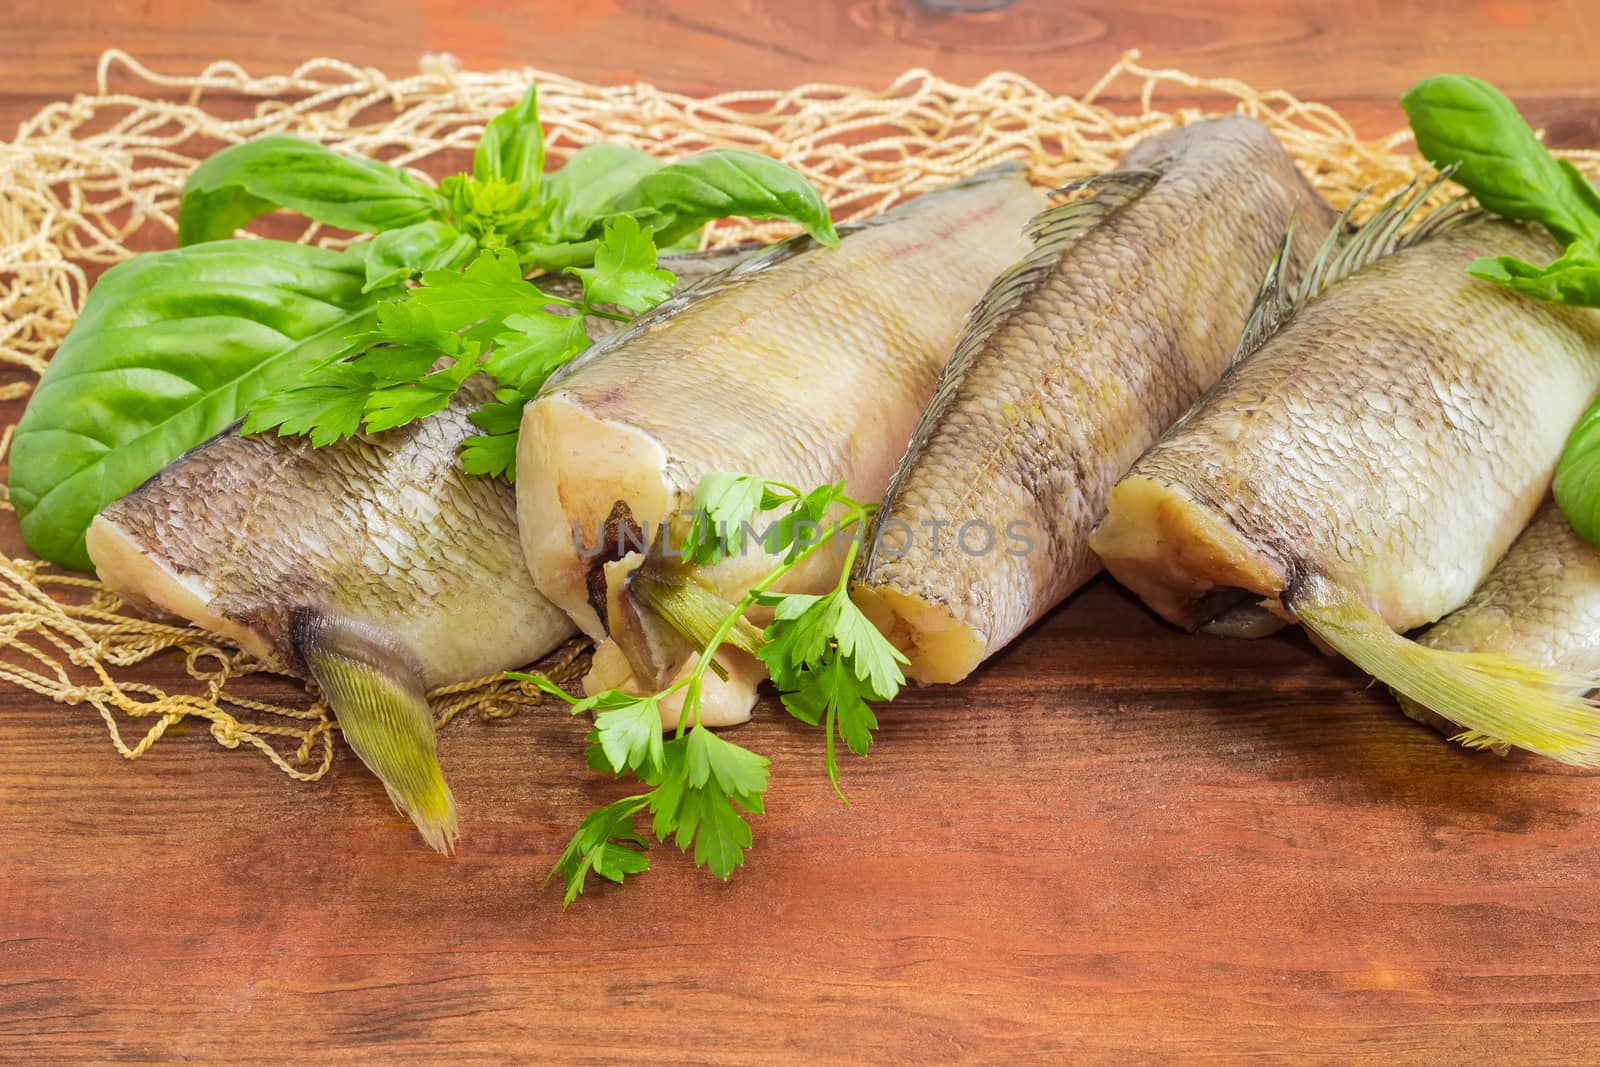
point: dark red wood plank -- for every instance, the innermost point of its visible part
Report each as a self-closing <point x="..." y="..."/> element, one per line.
<point x="1114" y="840"/>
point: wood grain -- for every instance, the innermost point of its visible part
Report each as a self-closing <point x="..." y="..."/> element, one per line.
<point x="1356" y="54"/>
<point x="1115" y="842"/>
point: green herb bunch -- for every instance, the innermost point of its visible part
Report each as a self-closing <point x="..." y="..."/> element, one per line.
<point x="1470" y="125"/>
<point x="174" y="346"/>
<point x="827" y="660"/>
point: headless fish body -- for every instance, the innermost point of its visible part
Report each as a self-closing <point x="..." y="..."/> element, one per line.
<point x="375" y="566"/>
<point x="1126" y="310"/>
<point x="1365" y="467"/>
<point x="1540" y="605"/>
<point x="804" y="364"/>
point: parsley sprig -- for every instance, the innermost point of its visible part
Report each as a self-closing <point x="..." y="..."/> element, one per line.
<point x="825" y="657"/>
<point x="468" y="243"/>
<point x="488" y="318"/>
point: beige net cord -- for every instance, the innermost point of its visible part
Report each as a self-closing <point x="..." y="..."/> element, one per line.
<point x="87" y="181"/>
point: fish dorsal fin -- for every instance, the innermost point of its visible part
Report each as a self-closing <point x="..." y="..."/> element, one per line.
<point x="1052" y="232"/>
<point x="757" y="264"/>
<point x="1053" y="229"/>
<point x="1346" y="250"/>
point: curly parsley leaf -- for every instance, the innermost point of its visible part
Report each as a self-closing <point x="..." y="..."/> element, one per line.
<point x="801" y="527"/>
<point x="708" y="818"/>
<point x="493" y="453"/>
<point x="831" y="695"/>
<point x="827" y="660"/>
<point x="628" y="731"/>
<point x="724" y="503"/>
<point x="701" y="783"/>
<point x="625" y="273"/>
<point x="874" y="660"/>
<point x="486" y="317"/>
<point x="605" y="843"/>
<point x="491" y="288"/>
<point x="627" y="728"/>
<point x="740" y="773"/>
<point x="698" y="799"/>
<point x="327" y="410"/>
<point x="533" y="346"/>
<point x="392" y="406"/>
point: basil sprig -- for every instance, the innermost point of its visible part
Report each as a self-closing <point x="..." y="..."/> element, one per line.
<point x="1469" y="124"/>
<point x="506" y="201"/>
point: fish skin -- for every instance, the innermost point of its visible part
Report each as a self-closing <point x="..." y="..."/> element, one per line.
<point x="241" y="533"/>
<point x="1134" y="319"/>
<point x="813" y="371"/>
<point x="1540" y="605"/>
<point x="375" y="566"/>
<point x="1392" y="438"/>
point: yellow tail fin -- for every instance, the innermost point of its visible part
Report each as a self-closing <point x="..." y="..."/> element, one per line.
<point x="1494" y="698"/>
<point x="383" y="713"/>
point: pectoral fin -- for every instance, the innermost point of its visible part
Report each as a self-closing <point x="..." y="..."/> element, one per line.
<point x="378" y="699"/>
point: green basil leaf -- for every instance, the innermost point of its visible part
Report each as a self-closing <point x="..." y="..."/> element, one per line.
<point x="590" y="180"/>
<point x="1577" y="484"/>
<point x="170" y="349"/>
<point x="396" y="255"/>
<point x="681" y="197"/>
<point x="246" y="180"/>
<point x="1574" y="279"/>
<point x="1469" y="123"/>
<point x="512" y="147"/>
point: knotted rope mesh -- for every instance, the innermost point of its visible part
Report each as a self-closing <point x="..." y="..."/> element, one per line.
<point x="88" y="182"/>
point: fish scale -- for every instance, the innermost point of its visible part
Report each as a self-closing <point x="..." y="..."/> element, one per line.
<point x="1407" y="465"/>
<point x="1127" y="309"/>
<point x="273" y="525"/>
<point x="1540" y="604"/>
<point x="1285" y="497"/>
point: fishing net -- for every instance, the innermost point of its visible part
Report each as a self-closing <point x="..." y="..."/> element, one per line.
<point x="88" y="182"/>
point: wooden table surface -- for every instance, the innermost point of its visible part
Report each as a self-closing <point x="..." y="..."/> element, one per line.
<point x="1115" y="841"/>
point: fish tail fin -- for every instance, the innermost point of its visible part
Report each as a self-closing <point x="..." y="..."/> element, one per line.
<point x="383" y="713"/>
<point x="1496" y="700"/>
